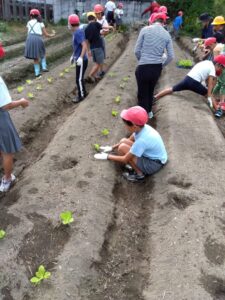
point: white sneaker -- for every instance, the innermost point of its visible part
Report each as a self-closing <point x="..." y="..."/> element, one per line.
<point x="6" y="184"/>
<point x="150" y="115"/>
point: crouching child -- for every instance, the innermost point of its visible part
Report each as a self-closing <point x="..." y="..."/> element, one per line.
<point x="143" y="152"/>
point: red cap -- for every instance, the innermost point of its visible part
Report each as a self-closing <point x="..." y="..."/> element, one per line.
<point x="98" y="8"/>
<point x="158" y="16"/>
<point x="220" y="59"/>
<point x="156" y="9"/>
<point x="136" y="115"/>
<point x="2" y="51"/>
<point x="35" y="12"/>
<point x="73" y="19"/>
<point x="163" y="9"/>
<point x="209" y="41"/>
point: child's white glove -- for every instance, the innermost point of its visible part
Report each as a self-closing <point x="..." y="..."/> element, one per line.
<point x="195" y="40"/>
<point x="106" y="149"/>
<point x="101" y="156"/>
<point x="210" y="103"/>
<point x="79" y="61"/>
<point x="72" y="59"/>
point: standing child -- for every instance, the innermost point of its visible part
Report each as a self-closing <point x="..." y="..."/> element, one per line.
<point x="79" y="55"/>
<point x="144" y="150"/>
<point x="119" y="15"/>
<point x="9" y="139"/>
<point x="95" y="45"/>
<point x="35" y="48"/>
<point x="110" y="8"/>
<point x="177" y="24"/>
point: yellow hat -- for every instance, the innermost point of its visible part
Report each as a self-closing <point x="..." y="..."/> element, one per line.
<point x="91" y="13"/>
<point x="218" y="21"/>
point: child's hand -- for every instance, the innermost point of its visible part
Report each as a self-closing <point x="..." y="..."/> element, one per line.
<point x="24" y="102"/>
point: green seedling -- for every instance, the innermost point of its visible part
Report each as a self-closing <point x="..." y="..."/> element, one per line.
<point x="20" y="89"/>
<point x="185" y="63"/>
<point x="112" y="74"/>
<point x="40" y="275"/>
<point x="114" y="113"/>
<point x="61" y="74"/>
<point x="66" y="217"/>
<point x="96" y="147"/>
<point x="2" y="234"/>
<point x="117" y="99"/>
<point x="105" y="132"/>
<point x="125" y="79"/>
<point x="39" y="87"/>
<point x="30" y="95"/>
<point x="50" y="79"/>
<point x="122" y="85"/>
<point x="28" y="81"/>
<point x="66" y="70"/>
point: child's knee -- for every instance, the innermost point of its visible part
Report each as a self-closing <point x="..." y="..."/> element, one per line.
<point x="123" y="140"/>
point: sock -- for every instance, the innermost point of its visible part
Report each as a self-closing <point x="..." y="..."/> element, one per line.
<point x="36" y="69"/>
<point x="43" y="64"/>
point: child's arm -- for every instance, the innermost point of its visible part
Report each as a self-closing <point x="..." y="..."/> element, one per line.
<point x="211" y="84"/>
<point x="84" y="49"/>
<point x="46" y="34"/>
<point x="22" y="102"/>
<point x="108" y="27"/>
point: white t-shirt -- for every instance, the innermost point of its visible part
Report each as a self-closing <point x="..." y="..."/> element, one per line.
<point x="35" y="27"/>
<point x="103" y="22"/>
<point x="201" y="71"/>
<point x="5" y="97"/>
<point x="110" y="6"/>
<point x="119" y="13"/>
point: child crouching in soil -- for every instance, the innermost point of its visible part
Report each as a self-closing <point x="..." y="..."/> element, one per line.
<point x="144" y="150"/>
<point x="218" y="95"/>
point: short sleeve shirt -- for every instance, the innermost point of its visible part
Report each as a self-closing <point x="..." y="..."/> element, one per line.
<point x="92" y="34"/>
<point x="178" y="22"/>
<point x="110" y="6"/>
<point x="78" y="39"/>
<point x="5" y="97"/>
<point x="148" y="143"/>
<point x="202" y="71"/>
<point x="35" y="27"/>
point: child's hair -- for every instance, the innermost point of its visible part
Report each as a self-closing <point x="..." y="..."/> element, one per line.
<point x="130" y="124"/>
<point x="91" y="18"/>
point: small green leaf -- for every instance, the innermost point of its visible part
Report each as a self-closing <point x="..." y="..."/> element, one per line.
<point x="125" y="79"/>
<point x="47" y="275"/>
<point x="39" y="87"/>
<point x="66" y="70"/>
<point x="30" y="95"/>
<point x="122" y="85"/>
<point x="50" y="79"/>
<point x="61" y="74"/>
<point x="66" y="217"/>
<point x="114" y="113"/>
<point x="105" y="132"/>
<point x="117" y="99"/>
<point x="2" y="234"/>
<point x="28" y="81"/>
<point x="20" y="89"/>
<point x="112" y="74"/>
<point x="96" y="147"/>
<point x="41" y="271"/>
<point x="35" y="280"/>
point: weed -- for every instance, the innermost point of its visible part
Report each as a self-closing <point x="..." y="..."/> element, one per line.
<point x="40" y="275"/>
<point x="96" y="147"/>
<point x="30" y="95"/>
<point x="114" y="113"/>
<point x="117" y="99"/>
<point x="2" y="234"/>
<point x="105" y="132"/>
<point x="66" y="217"/>
<point x="50" y="80"/>
<point x="20" y="89"/>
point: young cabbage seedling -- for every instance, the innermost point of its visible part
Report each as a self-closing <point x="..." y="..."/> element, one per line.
<point x="61" y="74"/>
<point x="125" y="79"/>
<point x="20" y="89"/>
<point x="50" y="79"/>
<point x="112" y="74"/>
<point x="105" y="132"/>
<point x="39" y="87"/>
<point x="117" y="99"/>
<point x="30" y="95"/>
<point x="66" y="217"/>
<point x="66" y="70"/>
<point x="114" y="113"/>
<point x="2" y="234"/>
<point x="96" y="147"/>
<point x="122" y="85"/>
<point x="28" y="81"/>
<point x="40" y="275"/>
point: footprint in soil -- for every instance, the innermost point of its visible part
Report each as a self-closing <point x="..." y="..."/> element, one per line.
<point x="65" y="164"/>
<point x="215" y="252"/>
<point x="89" y="174"/>
<point x="72" y="137"/>
<point x="33" y="191"/>
<point x="180" y="181"/>
<point x="215" y="286"/>
<point x="82" y="184"/>
<point x="180" y="199"/>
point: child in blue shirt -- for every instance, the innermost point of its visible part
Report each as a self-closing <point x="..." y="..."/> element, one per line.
<point x="177" y="24"/>
<point x="144" y="151"/>
<point x="79" y="55"/>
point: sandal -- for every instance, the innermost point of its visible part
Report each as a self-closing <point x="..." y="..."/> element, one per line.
<point x="219" y="113"/>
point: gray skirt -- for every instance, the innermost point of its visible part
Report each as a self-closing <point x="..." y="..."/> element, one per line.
<point x="9" y="138"/>
<point x="34" y="47"/>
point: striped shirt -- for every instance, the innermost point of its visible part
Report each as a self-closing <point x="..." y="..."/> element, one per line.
<point x="151" y="44"/>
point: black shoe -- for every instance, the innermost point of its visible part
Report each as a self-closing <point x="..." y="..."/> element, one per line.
<point x="77" y="99"/>
<point x="133" y="177"/>
<point x="45" y="70"/>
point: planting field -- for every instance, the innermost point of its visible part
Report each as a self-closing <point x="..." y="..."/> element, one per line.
<point x="161" y="239"/>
